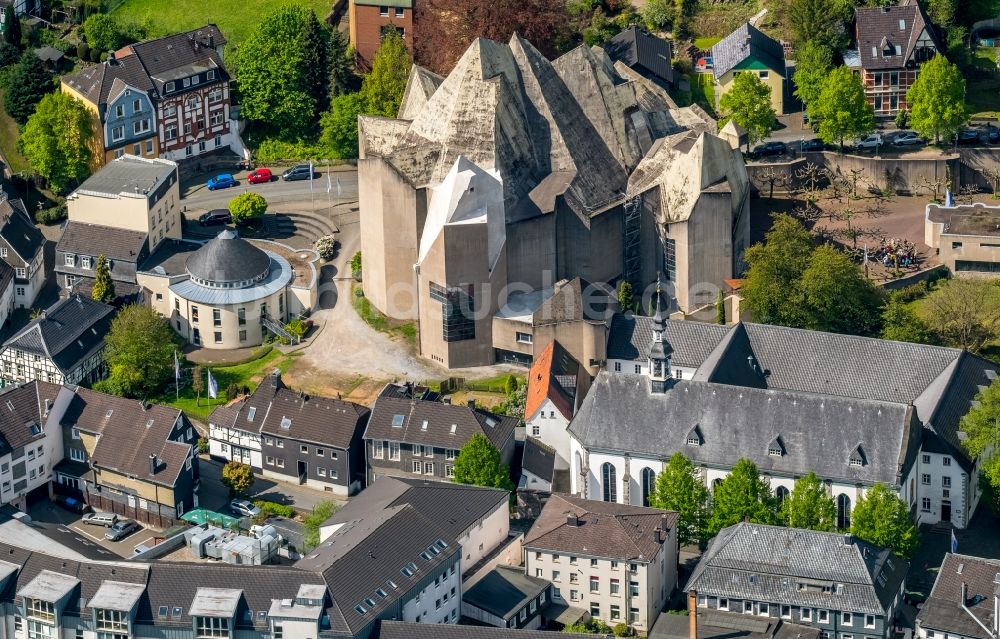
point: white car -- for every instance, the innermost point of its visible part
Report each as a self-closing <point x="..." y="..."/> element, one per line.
<point x="870" y="141"/>
<point x="243" y="508"/>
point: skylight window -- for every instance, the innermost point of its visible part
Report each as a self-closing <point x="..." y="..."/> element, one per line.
<point x="261" y="614"/>
<point x="440" y="543"/>
<point x="110" y="412"/>
<point x="423" y="426"/>
<point x="432" y="550"/>
<point x="162" y="612"/>
<point x="286" y="423"/>
<point x="360" y="609"/>
<point x="425" y="556"/>
<point x="397" y="421"/>
<point x="251" y="412"/>
<point x="392" y="584"/>
<point x="491" y="422"/>
<point x="149" y="423"/>
<point x="176" y="613"/>
<point x="381" y="593"/>
<point x="370" y="602"/>
<point x="412" y="566"/>
<point x="406" y="571"/>
<point x="453" y="428"/>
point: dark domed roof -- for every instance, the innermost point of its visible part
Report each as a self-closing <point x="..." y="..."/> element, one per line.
<point x="228" y="259"/>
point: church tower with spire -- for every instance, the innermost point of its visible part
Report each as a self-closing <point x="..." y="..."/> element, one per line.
<point x="660" y="349"/>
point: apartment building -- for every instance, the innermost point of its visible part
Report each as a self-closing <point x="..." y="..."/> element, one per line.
<point x="22" y="247"/>
<point x="30" y="446"/>
<point x="616" y="561"/>
<point x="965" y="600"/>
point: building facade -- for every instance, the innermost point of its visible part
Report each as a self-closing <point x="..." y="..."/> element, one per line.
<point x="370" y="19"/>
<point x="22" y="247"/>
<point x="965" y="238"/>
<point x="80" y="247"/>
<point x="556" y="383"/>
<point x="617" y="562"/>
<point x="30" y="443"/>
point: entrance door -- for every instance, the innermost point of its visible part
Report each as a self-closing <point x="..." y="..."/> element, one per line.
<point x="196" y="338"/>
<point x="945" y="510"/>
<point x="303" y="471"/>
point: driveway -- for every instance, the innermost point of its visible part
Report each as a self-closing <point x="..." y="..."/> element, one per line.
<point x="67" y="528"/>
<point x="215" y="496"/>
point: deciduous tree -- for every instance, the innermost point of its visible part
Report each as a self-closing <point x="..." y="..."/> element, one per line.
<point x="842" y="109"/>
<point x="104" y="286"/>
<point x="813" y="62"/>
<point x="937" y="100"/>
<point x="27" y="83"/>
<point x="479" y="464"/>
<point x="339" y="125"/>
<point x="198" y="383"/>
<point x="809" y="506"/>
<point x="748" y="103"/>
<point x="819" y="20"/>
<point x="680" y="487"/>
<point x="102" y="32"/>
<point x="965" y="313"/>
<point x="743" y="494"/>
<point x="237" y="477"/>
<point x="836" y="296"/>
<point x="881" y="518"/>
<point x="139" y="351"/>
<point x="56" y="140"/>
<point x="770" y="286"/>
<point x="901" y="323"/>
<point x="982" y="425"/>
<point x="383" y="88"/>
<point x="658" y="13"/>
<point x="247" y="207"/>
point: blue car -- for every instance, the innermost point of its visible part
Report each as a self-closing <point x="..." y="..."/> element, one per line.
<point x="222" y="181"/>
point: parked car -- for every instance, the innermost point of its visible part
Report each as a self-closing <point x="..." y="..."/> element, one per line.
<point x="71" y="504"/>
<point x="992" y="135"/>
<point x="908" y="138"/>
<point x="769" y="149"/>
<point x="100" y="519"/>
<point x="814" y="144"/>
<point x="221" y="181"/>
<point x="216" y="216"/>
<point x="260" y="176"/>
<point x="122" y="529"/>
<point x="870" y="141"/>
<point x="300" y="172"/>
<point x="968" y="136"/>
<point x="244" y="508"/>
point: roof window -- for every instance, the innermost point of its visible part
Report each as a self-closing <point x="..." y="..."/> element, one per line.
<point x="286" y="423"/>
<point x="454" y="427"/>
<point x="360" y="609"/>
<point x="406" y="571"/>
<point x="423" y="426"/>
<point x="397" y="421"/>
<point x="251" y="412"/>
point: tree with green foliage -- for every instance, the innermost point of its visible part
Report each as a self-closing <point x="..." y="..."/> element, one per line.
<point x="479" y="464"/>
<point x="813" y="62"/>
<point x="312" y="522"/>
<point x="774" y="267"/>
<point x="809" y="506"/>
<point x="237" y="477"/>
<point x="198" y="383"/>
<point x="590" y="627"/>
<point x="965" y="312"/>
<point x="104" y="286"/>
<point x="247" y="207"/>
<point x="748" y="103"/>
<point x="383" y="88"/>
<point x="818" y="20"/>
<point x="103" y="32"/>
<point x="937" y="100"/>
<point x="883" y="519"/>
<point x="9" y="55"/>
<point x="622" y="630"/>
<point x="626" y="297"/>
<point x="941" y="12"/>
<point x="901" y="323"/>
<point x="339" y="125"/>
<point x="28" y="82"/>
<point x="356" y="266"/>
<point x="139" y="352"/>
<point x="12" y="28"/>
<point x="315" y="51"/>
<point x="510" y="385"/>
<point x="743" y="494"/>
<point x="657" y="14"/>
<point x="982" y="426"/>
<point x="902" y="119"/>
<point x="680" y="488"/>
<point x="842" y="109"/>
<point x="56" y="141"/>
<point x="720" y="308"/>
<point x="272" y="74"/>
<point x="341" y="78"/>
<point x="837" y="297"/>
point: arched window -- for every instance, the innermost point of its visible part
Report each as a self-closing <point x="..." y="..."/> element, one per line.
<point x="843" y="511"/>
<point x="648" y="485"/>
<point x="781" y="493"/>
<point x="609" y="481"/>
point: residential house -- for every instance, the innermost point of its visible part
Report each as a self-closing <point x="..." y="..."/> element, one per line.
<point x="843" y="586"/>
<point x="749" y="50"/>
<point x="79" y="248"/>
<point x="507" y="598"/>
<point x="804" y="403"/>
<point x="965" y="238"/>
<point x="644" y="52"/>
<point x="132" y="194"/>
<point x="965" y="600"/>
<point x="537" y="466"/>
<point x="371" y="19"/>
<point x="19" y="7"/>
<point x="6" y="293"/>
<point x="617" y="561"/>
<point x="167" y="97"/>
<point x="556" y="385"/>
<point x="29" y="445"/>
<point x="477" y="518"/>
<point x="411" y="433"/>
<point x="125" y="456"/>
<point x="63" y="345"/>
<point x="22" y="247"/>
<point x="293" y="437"/>
<point x="892" y="42"/>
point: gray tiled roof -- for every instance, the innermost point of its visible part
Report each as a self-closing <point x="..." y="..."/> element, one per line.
<point x="94" y="83"/>
<point x="409" y="630"/>
<point x="604" y="529"/>
<point x="767" y="563"/>
<point x="631" y="335"/>
<point x="744" y="42"/>
<point x="228" y="258"/>
<point x="717" y="624"/>
<point x="186" y="51"/>
<point x="637" y="47"/>
<point x="878" y="27"/>
<point x="22" y="407"/>
<point x="118" y="244"/>
<point x="18" y="229"/>
<point x="538" y="459"/>
<point x="943" y="609"/>
<point x="820" y="433"/>
<point x="67" y="332"/>
<point x="503" y="591"/>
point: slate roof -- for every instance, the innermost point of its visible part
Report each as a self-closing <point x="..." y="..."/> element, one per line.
<point x="538" y="459"/>
<point x="130" y="431"/>
<point x="553" y="376"/>
<point x="631" y="335"/>
<point x="94" y="83"/>
<point x="439" y="418"/>
<point x="636" y="47"/>
<point x="745" y="42"/>
<point x="409" y="630"/>
<point x="503" y="591"/>
<point x="820" y="433"/>
<point x="877" y="27"/>
<point x="123" y="247"/>
<point x="606" y="529"/>
<point x="228" y="258"/>
<point x="572" y="301"/>
<point x="22" y="414"/>
<point x="454" y="508"/>
<point x="943" y="609"/>
<point x="68" y="332"/>
<point x="778" y="559"/>
<point x="19" y="231"/>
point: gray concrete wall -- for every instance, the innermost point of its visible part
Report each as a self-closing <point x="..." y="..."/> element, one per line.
<point x="531" y="251"/>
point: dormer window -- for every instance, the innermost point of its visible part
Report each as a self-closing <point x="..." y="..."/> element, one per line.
<point x="694" y="437"/>
<point x="858" y="457"/>
<point x="776" y="448"/>
<point x="211" y="627"/>
<point x="114" y="622"/>
<point x="169" y="87"/>
<point x="39" y="610"/>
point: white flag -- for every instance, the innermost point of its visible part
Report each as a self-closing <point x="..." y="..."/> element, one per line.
<point x="310" y="175"/>
<point x="213" y="386"/>
<point x="338" y="187"/>
<point x="329" y="186"/>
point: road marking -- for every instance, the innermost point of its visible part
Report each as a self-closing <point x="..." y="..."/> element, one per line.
<point x="85" y="534"/>
<point x="151" y="539"/>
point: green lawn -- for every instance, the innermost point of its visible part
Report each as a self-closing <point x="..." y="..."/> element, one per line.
<point x="704" y="44"/>
<point x="378" y="321"/>
<point x="235" y="18"/>
<point x="8" y="141"/>
<point x="983" y="97"/>
<point x="703" y="91"/>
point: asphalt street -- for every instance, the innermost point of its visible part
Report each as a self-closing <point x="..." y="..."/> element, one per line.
<point x="196" y="196"/>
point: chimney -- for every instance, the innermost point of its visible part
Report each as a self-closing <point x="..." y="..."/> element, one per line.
<point x="965" y="594"/>
<point x="153" y="463"/>
<point x="471" y="403"/>
<point x="48" y="406"/>
<point x="112" y="60"/>
<point x="572" y="520"/>
<point x="692" y="614"/>
<point x="848" y="539"/>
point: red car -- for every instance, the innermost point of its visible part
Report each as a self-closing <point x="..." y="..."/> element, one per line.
<point x="259" y="176"/>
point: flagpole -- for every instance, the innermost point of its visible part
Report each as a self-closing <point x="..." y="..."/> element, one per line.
<point x="329" y="188"/>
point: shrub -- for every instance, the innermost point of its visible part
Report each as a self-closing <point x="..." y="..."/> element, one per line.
<point x="232" y="391"/>
<point x="274" y="509"/>
<point x="622" y="630"/>
<point x="247" y="207"/>
<point x="51" y="215"/>
<point x="273" y="151"/>
<point x="913" y="292"/>
<point x="83" y="51"/>
<point x="326" y="246"/>
<point x="297" y="328"/>
<point x="356" y="266"/>
<point x="202" y="445"/>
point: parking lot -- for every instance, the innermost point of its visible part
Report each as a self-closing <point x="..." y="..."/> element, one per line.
<point x="69" y="529"/>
